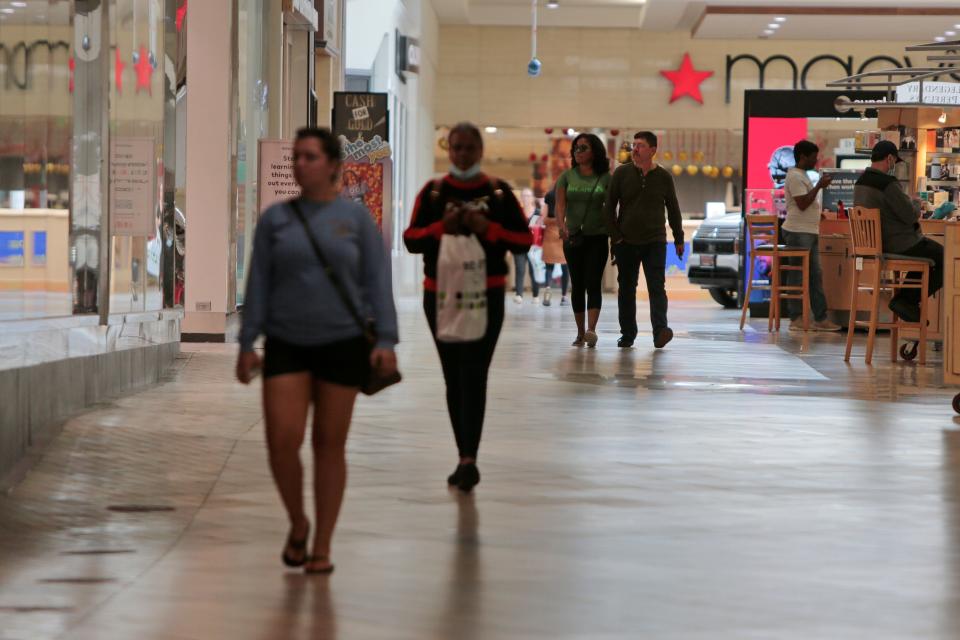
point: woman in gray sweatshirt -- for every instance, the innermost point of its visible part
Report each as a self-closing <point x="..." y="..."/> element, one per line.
<point x="315" y="350"/>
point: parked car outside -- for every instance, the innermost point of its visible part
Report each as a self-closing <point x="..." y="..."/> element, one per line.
<point x="714" y="262"/>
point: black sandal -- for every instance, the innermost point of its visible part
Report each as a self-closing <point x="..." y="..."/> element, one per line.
<point x="296" y="545"/>
<point x="316" y="572"/>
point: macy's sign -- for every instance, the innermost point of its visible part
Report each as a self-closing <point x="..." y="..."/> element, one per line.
<point x="800" y="74"/>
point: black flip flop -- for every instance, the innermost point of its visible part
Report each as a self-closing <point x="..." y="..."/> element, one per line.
<point x="318" y="572"/>
<point x="296" y="545"/>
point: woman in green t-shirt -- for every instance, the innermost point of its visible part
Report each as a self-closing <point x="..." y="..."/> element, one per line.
<point x="580" y="195"/>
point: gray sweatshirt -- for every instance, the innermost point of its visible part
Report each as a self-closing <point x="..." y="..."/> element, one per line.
<point x="899" y="215"/>
<point x="290" y="298"/>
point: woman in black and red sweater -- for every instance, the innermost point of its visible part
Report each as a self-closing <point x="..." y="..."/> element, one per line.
<point x="444" y="206"/>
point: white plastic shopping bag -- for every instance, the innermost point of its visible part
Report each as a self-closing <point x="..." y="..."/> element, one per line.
<point x="461" y="289"/>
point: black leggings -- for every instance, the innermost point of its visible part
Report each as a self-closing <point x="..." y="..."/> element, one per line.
<point x="564" y="277"/>
<point x="587" y="263"/>
<point x="522" y="261"/>
<point x="465" y="367"/>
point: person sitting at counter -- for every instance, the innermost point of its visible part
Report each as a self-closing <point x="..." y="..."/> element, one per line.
<point x="878" y="188"/>
<point x="802" y="229"/>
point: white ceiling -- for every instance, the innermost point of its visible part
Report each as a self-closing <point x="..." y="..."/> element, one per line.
<point x="689" y="15"/>
<point x="879" y="28"/>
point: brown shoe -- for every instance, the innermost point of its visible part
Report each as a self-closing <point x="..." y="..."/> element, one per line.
<point x="663" y="337"/>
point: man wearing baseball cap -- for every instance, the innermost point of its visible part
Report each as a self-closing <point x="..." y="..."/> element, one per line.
<point x="878" y="188"/>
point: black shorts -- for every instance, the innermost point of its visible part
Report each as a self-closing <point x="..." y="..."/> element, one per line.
<point x="346" y="363"/>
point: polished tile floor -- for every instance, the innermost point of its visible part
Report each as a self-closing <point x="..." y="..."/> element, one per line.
<point x="735" y="485"/>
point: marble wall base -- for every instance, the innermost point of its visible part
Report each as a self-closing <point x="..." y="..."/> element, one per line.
<point x="54" y="381"/>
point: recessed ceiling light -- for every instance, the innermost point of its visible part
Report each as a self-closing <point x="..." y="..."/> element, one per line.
<point x="490" y="129"/>
<point x="7" y="11"/>
<point x="939" y="38"/>
<point x="553" y="4"/>
<point x="950" y="33"/>
<point x="19" y="5"/>
<point x="773" y="25"/>
<point x="769" y="32"/>
<point x="779" y="19"/>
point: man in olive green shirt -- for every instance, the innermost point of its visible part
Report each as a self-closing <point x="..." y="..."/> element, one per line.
<point x="638" y="195"/>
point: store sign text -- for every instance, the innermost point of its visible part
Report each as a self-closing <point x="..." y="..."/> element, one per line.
<point x="20" y="78"/>
<point x="370" y="150"/>
<point x="939" y="93"/>
<point x="799" y="74"/>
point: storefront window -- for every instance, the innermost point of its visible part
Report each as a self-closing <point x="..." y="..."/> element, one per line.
<point x="136" y="139"/>
<point x="253" y="123"/>
<point x="36" y="121"/>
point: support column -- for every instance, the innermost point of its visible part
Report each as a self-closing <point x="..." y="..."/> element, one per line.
<point x="210" y="305"/>
<point x="90" y="197"/>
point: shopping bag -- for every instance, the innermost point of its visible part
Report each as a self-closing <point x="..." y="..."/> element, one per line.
<point x="461" y="289"/>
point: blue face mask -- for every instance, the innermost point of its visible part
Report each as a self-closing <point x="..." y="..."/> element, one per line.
<point x="465" y="174"/>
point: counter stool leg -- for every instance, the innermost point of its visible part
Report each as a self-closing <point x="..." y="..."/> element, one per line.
<point x="894" y="339"/>
<point x="774" y="292"/>
<point x="746" y="298"/>
<point x="852" y="320"/>
<point x="924" y="299"/>
<point x="805" y="265"/>
<point x="874" y="314"/>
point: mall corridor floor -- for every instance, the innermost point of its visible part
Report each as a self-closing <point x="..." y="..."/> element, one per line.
<point x="735" y="485"/>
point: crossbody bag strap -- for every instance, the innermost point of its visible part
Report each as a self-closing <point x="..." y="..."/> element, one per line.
<point x="328" y="269"/>
<point x="589" y="200"/>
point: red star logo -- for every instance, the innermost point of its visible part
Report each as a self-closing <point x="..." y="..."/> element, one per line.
<point x="686" y="80"/>
<point x="118" y="66"/>
<point x="144" y="71"/>
<point x="181" y="14"/>
<point x="72" y="65"/>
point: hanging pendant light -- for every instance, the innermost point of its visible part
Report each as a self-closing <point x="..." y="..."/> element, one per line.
<point x="534" y="66"/>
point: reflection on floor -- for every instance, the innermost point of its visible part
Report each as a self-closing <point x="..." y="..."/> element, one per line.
<point x="735" y="485"/>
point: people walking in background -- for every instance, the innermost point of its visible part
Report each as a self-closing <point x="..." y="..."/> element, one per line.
<point x="524" y="262"/>
<point x="454" y="205"/>
<point x="802" y="229"/>
<point x="315" y="351"/>
<point x="639" y="193"/>
<point x="553" y="250"/>
<point x="580" y="193"/>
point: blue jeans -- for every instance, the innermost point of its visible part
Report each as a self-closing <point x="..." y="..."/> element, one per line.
<point x="818" y="302"/>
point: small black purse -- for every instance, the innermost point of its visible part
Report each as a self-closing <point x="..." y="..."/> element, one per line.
<point x="375" y="382"/>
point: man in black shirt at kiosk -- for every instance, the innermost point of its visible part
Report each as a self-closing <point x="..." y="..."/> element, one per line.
<point x="642" y="190"/>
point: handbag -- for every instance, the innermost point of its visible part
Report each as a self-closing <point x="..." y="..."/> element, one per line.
<point x="375" y="381"/>
<point x="575" y="238"/>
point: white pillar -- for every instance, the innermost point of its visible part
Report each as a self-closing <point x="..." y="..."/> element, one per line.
<point x="210" y="303"/>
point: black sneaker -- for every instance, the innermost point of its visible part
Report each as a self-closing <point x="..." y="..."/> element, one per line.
<point x="905" y="310"/>
<point x="469" y="477"/>
<point x="454" y="478"/>
<point x="624" y="342"/>
<point x="663" y="337"/>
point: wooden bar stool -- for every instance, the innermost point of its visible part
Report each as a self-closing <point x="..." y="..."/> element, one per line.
<point x="890" y="273"/>
<point x="763" y="234"/>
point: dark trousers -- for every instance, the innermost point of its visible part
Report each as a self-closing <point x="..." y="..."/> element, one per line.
<point x="586" y="263"/>
<point x="932" y="250"/>
<point x="818" y="300"/>
<point x="564" y="277"/>
<point x="653" y="258"/>
<point x="522" y="262"/>
<point x="465" y="367"/>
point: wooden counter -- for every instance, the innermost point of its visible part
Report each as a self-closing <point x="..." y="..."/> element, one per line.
<point x="951" y="297"/>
